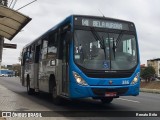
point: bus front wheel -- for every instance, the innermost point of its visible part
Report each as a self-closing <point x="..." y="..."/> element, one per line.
<point x="106" y="100"/>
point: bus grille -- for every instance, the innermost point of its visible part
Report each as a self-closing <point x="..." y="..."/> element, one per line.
<point x="109" y="75"/>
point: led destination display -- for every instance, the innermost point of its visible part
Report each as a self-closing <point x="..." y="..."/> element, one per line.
<point x="95" y="22"/>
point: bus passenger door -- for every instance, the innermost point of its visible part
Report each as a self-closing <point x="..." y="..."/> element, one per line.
<point x="65" y="71"/>
<point x="23" y="62"/>
<point x="36" y="67"/>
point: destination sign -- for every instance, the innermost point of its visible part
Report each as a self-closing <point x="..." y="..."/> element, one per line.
<point x="100" y="23"/>
<point x="104" y="24"/>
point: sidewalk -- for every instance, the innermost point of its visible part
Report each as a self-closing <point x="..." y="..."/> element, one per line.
<point x="150" y="90"/>
<point x="2" y="118"/>
<point x="12" y="101"/>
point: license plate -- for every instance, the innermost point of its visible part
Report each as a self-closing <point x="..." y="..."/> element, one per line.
<point x="110" y="94"/>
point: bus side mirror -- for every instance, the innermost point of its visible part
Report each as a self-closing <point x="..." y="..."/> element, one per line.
<point x="68" y="36"/>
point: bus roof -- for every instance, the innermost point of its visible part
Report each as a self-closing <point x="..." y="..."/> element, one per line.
<point x="70" y="19"/>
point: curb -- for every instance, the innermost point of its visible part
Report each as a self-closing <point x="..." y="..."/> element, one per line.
<point x="150" y="90"/>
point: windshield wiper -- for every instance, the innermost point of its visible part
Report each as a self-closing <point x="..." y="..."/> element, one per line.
<point x="114" y="48"/>
<point x="119" y="39"/>
<point x="117" y="42"/>
<point x="98" y="38"/>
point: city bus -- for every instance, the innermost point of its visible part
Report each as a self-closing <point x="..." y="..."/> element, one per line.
<point x="84" y="57"/>
<point x="6" y="73"/>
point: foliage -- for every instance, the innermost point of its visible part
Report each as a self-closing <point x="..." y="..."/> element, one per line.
<point x="148" y="73"/>
<point x="3" y="67"/>
<point x="17" y="69"/>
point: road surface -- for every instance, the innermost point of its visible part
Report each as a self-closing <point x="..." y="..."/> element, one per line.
<point x="13" y="97"/>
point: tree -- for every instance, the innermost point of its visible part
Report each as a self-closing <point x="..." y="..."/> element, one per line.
<point x="148" y="73"/>
<point x="17" y="69"/>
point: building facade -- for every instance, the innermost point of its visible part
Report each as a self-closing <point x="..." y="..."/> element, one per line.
<point x="155" y="63"/>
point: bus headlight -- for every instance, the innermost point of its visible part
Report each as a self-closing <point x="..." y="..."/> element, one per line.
<point x="135" y="80"/>
<point x="79" y="80"/>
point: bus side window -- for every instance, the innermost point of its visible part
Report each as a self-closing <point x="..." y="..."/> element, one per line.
<point x="44" y="49"/>
<point x="64" y="36"/>
<point x="52" y="45"/>
<point x="31" y="54"/>
<point x="27" y="55"/>
<point x="23" y="60"/>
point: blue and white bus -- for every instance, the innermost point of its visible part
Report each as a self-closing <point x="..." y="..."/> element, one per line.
<point x="84" y="56"/>
<point x="6" y="73"/>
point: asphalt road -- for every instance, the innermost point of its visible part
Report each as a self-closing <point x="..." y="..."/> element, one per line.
<point x="17" y="99"/>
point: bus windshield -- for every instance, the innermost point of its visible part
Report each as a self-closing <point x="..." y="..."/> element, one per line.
<point x="99" y="50"/>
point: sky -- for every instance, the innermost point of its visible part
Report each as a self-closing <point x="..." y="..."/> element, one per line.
<point x="47" y="13"/>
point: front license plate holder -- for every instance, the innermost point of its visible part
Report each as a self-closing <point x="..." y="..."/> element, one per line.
<point x="110" y="94"/>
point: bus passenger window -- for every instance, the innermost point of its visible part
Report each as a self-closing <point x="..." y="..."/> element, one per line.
<point x="27" y="55"/>
<point x="23" y="60"/>
<point x="52" y="46"/>
<point x="44" y="49"/>
<point x="31" y="53"/>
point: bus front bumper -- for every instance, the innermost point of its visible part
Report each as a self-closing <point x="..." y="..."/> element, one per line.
<point x="77" y="91"/>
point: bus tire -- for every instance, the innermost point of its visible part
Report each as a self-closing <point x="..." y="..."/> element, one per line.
<point x="30" y="91"/>
<point x="106" y="100"/>
<point x="57" y="100"/>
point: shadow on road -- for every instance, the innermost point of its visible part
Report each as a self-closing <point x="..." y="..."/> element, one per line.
<point x="73" y="105"/>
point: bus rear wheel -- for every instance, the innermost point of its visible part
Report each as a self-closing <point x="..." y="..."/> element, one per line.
<point x="106" y="100"/>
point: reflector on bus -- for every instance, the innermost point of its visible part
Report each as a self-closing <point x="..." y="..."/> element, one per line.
<point x="11" y="22"/>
